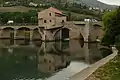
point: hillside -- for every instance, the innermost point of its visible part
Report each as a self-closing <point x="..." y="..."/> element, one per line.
<point x="16" y="9"/>
<point x="94" y="3"/>
<point x="72" y="7"/>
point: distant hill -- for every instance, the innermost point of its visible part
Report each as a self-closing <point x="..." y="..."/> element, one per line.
<point x="95" y="3"/>
<point x="92" y="3"/>
<point x="16" y="9"/>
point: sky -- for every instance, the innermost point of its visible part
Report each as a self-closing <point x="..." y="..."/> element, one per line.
<point x="112" y="2"/>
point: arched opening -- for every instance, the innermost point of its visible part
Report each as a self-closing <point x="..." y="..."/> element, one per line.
<point x="65" y="33"/>
<point x="23" y="33"/>
<point x="62" y="34"/>
<point x="8" y="28"/>
<point x="7" y="33"/>
<point x="24" y="28"/>
<point x="97" y="25"/>
<point x="36" y="34"/>
<point x="97" y="32"/>
<point x="81" y="41"/>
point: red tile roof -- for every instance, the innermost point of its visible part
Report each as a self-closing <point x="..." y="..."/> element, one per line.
<point x="55" y="10"/>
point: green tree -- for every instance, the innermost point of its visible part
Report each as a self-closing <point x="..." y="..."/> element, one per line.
<point x="69" y="16"/>
<point x="5" y="17"/>
<point x="18" y="17"/>
<point x="111" y="26"/>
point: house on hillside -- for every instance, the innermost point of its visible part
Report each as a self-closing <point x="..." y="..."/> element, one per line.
<point x="33" y="4"/>
<point x="51" y="18"/>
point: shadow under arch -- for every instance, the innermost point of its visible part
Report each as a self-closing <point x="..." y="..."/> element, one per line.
<point x="24" y="28"/>
<point x="23" y="33"/>
<point x="8" y="28"/>
<point x="97" y="25"/>
<point x="7" y="32"/>
<point x="36" y="34"/>
<point x="64" y="34"/>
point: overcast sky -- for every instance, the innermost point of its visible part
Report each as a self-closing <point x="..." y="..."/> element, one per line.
<point x="113" y="2"/>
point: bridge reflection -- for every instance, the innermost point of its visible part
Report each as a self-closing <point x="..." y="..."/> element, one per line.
<point x="44" y="58"/>
<point x="74" y="48"/>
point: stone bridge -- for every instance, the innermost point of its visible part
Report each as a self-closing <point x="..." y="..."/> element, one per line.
<point x="88" y="31"/>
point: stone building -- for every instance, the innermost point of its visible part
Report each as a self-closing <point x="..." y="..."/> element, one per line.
<point x="51" y="18"/>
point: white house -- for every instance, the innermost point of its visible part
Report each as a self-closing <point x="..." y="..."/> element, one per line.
<point x="33" y="4"/>
<point x="10" y="22"/>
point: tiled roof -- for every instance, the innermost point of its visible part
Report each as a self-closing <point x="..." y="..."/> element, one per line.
<point x="55" y="10"/>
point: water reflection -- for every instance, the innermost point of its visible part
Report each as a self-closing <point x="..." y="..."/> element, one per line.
<point x="52" y="60"/>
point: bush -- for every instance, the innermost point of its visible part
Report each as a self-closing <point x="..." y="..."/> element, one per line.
<point x="111" y="26"/>
<point x="19" y="17"/>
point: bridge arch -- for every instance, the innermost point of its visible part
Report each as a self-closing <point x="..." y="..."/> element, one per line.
<point x="97" y="32"/>
<point x="68" y="32"/>
<point x="24" y="28"/>
<point x="62" y="32"/>
<point x="97" y="25"/>
<point x="36" y="34"/>
<point x="8" y="28"/>
<point x="7" y="32"/>
<point x="23" y="32"/>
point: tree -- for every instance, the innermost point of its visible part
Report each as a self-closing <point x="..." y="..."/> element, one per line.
<point x="111" y="26"/>
<point x="69" y="16"/>
<point x="18" y="17"/>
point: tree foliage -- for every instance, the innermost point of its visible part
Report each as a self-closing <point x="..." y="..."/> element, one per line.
<point x="19" y="17"/>
<point x="111" y="26"/>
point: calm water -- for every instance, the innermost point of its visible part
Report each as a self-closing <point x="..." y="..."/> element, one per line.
<point x="23" y="60"/>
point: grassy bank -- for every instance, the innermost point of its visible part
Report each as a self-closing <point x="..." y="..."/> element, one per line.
<point x="110" y="71"/>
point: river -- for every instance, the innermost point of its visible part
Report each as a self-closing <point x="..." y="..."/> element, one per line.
<point x="37" y="60"/>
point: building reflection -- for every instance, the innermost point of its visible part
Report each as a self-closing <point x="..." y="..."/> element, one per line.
<point x="52" y="63"/>
<point x="52" y="57"/>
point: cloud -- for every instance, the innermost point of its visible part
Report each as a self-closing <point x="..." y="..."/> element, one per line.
<point x="112" y="2"/>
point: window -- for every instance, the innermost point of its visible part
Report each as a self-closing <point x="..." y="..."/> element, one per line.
<point x="50" y="20"/>
<point x="49" y="14"/>
<point x="63" y="21"/>
<point x="49" y="68"/>
<point x="45" y="60"/>
<point x="45" y="21"/>
<point x="50" y="61"/>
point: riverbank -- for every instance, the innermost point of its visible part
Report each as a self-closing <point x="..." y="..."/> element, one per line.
<point x="91" y="69"/>
<point x="110" y="71"/>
